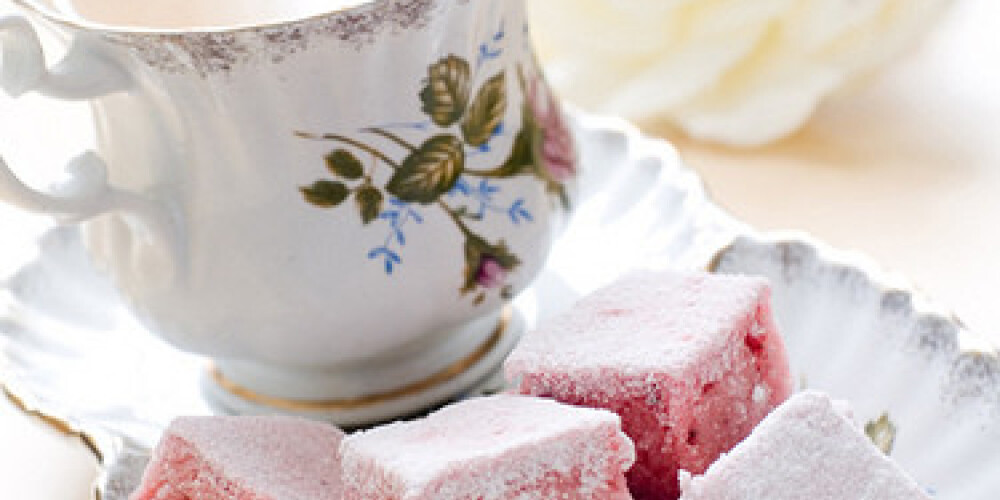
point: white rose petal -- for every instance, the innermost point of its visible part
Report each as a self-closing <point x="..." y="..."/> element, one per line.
<point x="740" y="72"/>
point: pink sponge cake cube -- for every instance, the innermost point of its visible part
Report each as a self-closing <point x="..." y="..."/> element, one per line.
<point x="691" y="363"/>
<point x="494" y="448"/>
<point x="808" y="448"/>
<point x="244" y="458"/>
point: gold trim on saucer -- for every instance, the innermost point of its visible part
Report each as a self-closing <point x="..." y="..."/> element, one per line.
<point x="716" y="261"/>
<point x="446" y="375"/>
<point x="60" y="425"/>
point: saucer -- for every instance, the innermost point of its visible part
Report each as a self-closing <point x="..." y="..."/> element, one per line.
<point x="926" y="389"/>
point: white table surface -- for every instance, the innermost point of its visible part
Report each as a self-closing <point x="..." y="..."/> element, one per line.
<point x="906" y="169"/>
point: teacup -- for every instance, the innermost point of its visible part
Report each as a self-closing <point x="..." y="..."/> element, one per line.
<point x="336" y="209"/>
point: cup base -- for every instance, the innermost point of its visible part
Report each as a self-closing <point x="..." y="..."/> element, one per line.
<point x="229" y="388"/>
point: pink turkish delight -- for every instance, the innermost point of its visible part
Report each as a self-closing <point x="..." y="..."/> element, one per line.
<point x="691" y="363"/>
<point x="808" y="448"/>
<point x="493" y="448"/>
<point x="244" y="458"/>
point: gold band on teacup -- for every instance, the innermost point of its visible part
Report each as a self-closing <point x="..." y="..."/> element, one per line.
<point x="446" y="375"/>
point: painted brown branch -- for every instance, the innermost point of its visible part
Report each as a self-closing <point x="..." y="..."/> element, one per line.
<point x="347" y="140"/>
<point x="455" y="217"/>
<point x="497" y="173"/>
<point x="392" y="137"/>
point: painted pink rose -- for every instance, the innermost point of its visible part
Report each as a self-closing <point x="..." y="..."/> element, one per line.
<point x="490" y="274"/>
<point x="558" y="151"/>
<point x="487" y="267"/>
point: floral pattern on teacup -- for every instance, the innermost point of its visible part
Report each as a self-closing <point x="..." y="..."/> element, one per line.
<point x="437" y="173"/>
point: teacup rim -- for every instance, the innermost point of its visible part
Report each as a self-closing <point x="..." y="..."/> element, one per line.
<point x="55" y="16"/>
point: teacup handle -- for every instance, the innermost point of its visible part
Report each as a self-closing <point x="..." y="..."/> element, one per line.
<point x="84" y="73"/>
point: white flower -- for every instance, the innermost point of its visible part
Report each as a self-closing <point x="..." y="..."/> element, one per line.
<point x="740" y="72"/>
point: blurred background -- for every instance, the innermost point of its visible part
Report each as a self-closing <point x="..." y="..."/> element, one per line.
<point x="873" y="125"/>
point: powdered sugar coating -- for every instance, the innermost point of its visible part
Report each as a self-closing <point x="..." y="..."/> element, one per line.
<point x="644" y="323"/>
<point x="807" y="448"/>
<point x="244" y="458"/>
<point x="491" y="448"/>
<point x="691" y="362"/>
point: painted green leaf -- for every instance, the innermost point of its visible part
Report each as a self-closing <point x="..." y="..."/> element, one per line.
<point x="524" y="157"/>
<point x="486" y="112"/>
<point x="369" y="200"/>
<point x="326" y="194"/>
<point x="521" y="159"/>
<point x="466" y="213"/>
<point x="343" y="163"/>
<point x="446" y="91"/>
<point x="882" y="433"/>
<point x="430" y="171"/>
<point x="475" y="249"/>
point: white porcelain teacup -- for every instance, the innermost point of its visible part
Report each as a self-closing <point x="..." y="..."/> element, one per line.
<point x="335" y="209"/>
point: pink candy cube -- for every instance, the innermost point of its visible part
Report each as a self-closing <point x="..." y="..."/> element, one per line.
<point x="244" y="458"/>
<point x="494" y="448"/>
<point x="807" y="449"/>
<point x="691" y="363"/>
